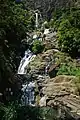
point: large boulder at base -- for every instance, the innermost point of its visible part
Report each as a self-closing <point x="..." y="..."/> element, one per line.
<point x="42" y="101"/>
<point x="61" y="90"/>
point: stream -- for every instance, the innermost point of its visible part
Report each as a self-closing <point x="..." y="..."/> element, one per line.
<point x="28" y="88"/>
<point x="28" y="97"/>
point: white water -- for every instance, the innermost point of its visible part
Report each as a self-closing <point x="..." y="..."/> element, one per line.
<point x="28" y="97"/>
<point x="46" y="31"/>
<point x="25" y="61"/>
<point x="36" y="20"/>
<point x="46" y="69"/>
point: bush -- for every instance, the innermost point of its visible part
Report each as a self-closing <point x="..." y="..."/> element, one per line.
<point x="17" y="112"/>
<point x="68" y="66"/>
<point x="68" y="38"/>
<point x="67" y="69"/>
<point x="37" y="46"/>
<point x="15" y="21"/>
<point x="67" y="23"/>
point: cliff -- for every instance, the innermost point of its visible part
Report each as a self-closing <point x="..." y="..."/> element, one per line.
<point x="46" y="7"/>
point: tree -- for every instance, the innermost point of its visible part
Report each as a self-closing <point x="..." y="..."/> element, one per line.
<point x="67" y="23"/>
<point x="15" y="21"/>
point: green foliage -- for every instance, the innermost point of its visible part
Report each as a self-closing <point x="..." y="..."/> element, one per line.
<point x="69" y="38"/>
<point x="67" y="23"/>
<point x="68" y="66"/>
<point x="8" y="112"/>
<point x="15" y="111"/>
<point x="15" y="21"/>
<point x="37" y="46"/>
<point x="67" y="69"/>
<point x="49" y="113"/>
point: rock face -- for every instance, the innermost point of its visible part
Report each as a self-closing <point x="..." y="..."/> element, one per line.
<point x="42" y="60"/>
<point x="50" y="40"/>
<point x="53" y="70"/>
<point x="42" y="101"/>
<point x="46" y="7"/>
<point x="61" y="90"/>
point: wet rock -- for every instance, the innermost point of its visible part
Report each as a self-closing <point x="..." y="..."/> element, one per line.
<point x="53" y="70"/>
<point x="38" y="65"/>
<point x="61" y="91"/>
<point x="42" y="101"/>
<point x="50" y="41"/>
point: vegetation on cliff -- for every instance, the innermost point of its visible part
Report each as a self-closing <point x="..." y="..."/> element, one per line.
<point x="16" y="21"/>
<point x="67" y="22"/>
<point x="37" y="47"/>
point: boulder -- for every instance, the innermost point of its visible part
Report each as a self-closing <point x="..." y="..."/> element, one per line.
<point x="53" y="70"/>
<point x="60" y="90"/>
<point x="42" y="101"/>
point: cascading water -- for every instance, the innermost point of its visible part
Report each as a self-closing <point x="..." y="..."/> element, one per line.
<point x="46" y="69"/>
<point x="25" y="61"/>
<point x="28" y="88"/>
<point x="28" y="97"/>
<point x="36" y="20"/>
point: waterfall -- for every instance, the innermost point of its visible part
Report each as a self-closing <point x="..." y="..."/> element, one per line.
<point x="36" y="20"/>
<point x="28" y="96"/>
<point x="46" y="69"/>
<point x="25" y="61"/>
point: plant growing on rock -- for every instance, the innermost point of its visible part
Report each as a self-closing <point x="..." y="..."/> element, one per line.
<point x="67" y="69"/>
<point x="37" y="47"/>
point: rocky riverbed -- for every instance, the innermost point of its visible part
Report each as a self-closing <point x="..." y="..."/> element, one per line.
<point x="52" y="89"/>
